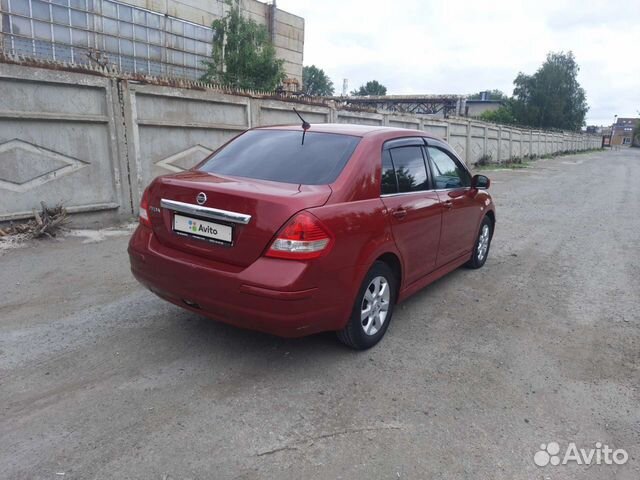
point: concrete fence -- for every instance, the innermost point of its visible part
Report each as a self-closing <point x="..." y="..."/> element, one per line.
<point x="92" y="139"/>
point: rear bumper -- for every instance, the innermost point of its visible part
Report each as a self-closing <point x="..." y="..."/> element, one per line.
<point x="280" y="297"/>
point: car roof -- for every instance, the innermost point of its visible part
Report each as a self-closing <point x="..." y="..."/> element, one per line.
<point x="349" y="129"/>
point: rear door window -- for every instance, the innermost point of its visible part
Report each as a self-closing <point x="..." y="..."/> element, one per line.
<point x="280" y="156"/>
<point x="410" y="168"/>
<point x="388" y="181"/>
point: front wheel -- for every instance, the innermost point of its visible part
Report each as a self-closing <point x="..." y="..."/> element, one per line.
<point x="481" y="247"/>
<point x="372" y="310"/>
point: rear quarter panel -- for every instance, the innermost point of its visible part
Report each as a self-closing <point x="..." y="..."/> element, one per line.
<point x="361" y="234"/>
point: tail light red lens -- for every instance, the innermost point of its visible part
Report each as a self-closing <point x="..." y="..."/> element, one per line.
<point x="303" y="238"/>
<point x="144" y="209"/>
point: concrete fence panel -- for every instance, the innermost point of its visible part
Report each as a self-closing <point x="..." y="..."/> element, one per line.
<point x="363" y="118"/>
<point x="171" y="130"/>
<point x="437" y="129"/>
<point x="404" y="121"/>
<point x="477" y="143"/>
<point x="505" y="145"/>
<point x="526" y="143"/>
<point x="547" y="144"/>
<point x="458" y="138"/>
<point x="277" y="112"/>
<point x="58" y="143"/>
<point x="535" y="143"/>
<point x="493" y="143"/>
<point x="516" y="144"/>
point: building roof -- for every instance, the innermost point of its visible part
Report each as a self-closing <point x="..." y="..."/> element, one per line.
<point x="627" y="121"/>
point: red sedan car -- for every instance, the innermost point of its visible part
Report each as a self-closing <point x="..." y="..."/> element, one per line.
<point x="293" y="231"/>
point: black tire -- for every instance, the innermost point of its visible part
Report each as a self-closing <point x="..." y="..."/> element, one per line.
<point x="477" y="259"/>
<point x="353" y="334"/>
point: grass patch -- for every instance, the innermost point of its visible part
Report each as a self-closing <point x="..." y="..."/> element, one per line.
<point x="486" y="162"/>
<point x="503" y="166"/>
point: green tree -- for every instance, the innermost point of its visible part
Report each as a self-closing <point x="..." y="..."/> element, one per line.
<point x="494" y="94"/>
<point x="372" y="87"/>
<point x="635" y="141"/>
<point x="551" y="97"/>
<point x="504" y="114"/>
<point x="242" y="55"/>
<point x="316" y="82"/>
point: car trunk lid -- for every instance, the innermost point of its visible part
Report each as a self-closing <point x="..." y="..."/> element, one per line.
<point x="269" y="205"/>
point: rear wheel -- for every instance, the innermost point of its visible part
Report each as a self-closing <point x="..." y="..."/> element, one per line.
<point x="372" y="310"/>
<point x="481" y="247"/>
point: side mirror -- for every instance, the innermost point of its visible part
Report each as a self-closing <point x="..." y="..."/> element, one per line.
<point x="480" y="181"/>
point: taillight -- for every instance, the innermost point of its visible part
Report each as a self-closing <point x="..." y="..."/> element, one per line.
<point x="144" y="209"/>
<point x="303" y="238"/>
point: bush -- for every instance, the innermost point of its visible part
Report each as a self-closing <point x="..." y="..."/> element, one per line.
<point x="484" y="160"/>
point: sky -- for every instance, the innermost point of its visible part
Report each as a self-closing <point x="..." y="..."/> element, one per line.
<point x="463" y="47"/>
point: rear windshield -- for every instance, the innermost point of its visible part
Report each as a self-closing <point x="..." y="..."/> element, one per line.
<point x="279" y="155"/>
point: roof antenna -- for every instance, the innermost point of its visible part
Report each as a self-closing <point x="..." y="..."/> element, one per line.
<point x="305" y="125"/>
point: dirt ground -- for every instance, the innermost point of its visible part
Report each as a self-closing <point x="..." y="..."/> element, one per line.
<point x="101" y="379"/>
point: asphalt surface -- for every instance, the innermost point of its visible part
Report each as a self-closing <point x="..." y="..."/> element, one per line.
<point x="101" y="379"/>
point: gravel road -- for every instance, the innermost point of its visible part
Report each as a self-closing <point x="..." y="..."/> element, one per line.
<point x="101" y="379"/>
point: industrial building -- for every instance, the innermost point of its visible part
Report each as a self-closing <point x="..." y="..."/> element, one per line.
<point x="476" y="107"/>
<point x="440" y="106"/>
<point x="156" y="37"/>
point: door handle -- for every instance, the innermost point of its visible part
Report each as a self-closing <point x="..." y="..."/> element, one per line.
<point x="399" y="213"/>
<point x="448" y="204"/>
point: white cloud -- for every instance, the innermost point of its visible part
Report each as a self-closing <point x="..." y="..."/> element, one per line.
<point x="415" y="46"/>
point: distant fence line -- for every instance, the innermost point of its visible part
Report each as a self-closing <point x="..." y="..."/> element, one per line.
<point x="93" y="138"/>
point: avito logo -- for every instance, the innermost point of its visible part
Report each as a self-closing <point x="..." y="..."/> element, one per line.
<point x="196" y="227"/>
<point x="549" y="453"/>
<point x="207" y="229"/>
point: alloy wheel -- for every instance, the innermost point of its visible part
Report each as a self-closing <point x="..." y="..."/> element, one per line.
<point x="483" y="242"/>
<point x="375" y="305"/>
